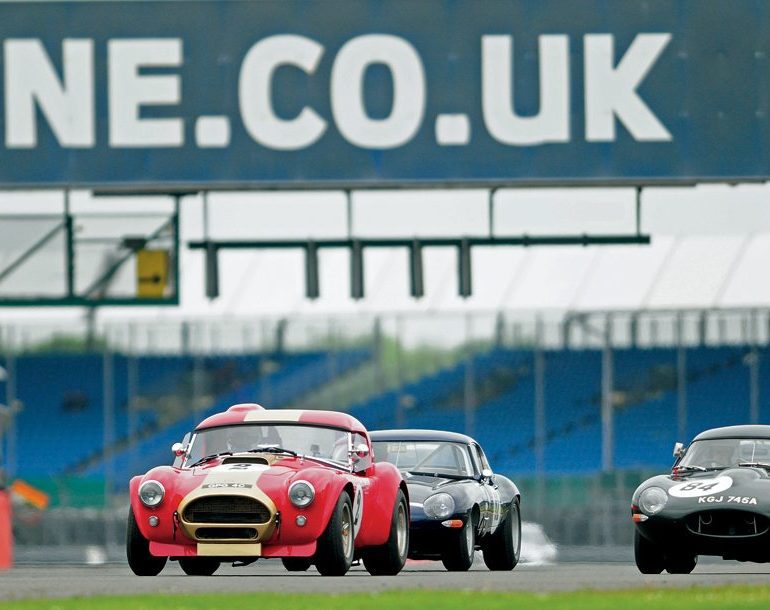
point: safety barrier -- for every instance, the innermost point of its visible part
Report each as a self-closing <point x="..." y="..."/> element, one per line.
<point x="6" y="534"/>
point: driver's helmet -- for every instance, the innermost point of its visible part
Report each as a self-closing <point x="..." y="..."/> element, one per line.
<point x="242" y="438"/>
<point x="268" y="435"/>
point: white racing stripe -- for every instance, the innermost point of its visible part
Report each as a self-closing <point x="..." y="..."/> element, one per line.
<point x="288" y="415"/>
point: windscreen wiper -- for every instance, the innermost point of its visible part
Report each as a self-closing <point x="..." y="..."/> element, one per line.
<point x="754" y="465"/>
<point x="208" y="458"/>
<point x="272" y="449"/>
<point x="439" y="475"/>
<point x="694" y="468"/>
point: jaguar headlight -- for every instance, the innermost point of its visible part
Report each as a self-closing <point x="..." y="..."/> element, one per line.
<point x="439" y="506"/>
<point x="301" y="494"/>
<point x="653" y="500"/>
<point x="151" y="493"/>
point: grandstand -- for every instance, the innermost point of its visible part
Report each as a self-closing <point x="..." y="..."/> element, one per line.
<point x="659" y="394"/>
<point x="64" y="396"/>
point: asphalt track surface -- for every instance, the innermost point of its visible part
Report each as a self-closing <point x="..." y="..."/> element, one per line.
<point x="268" y="575"/>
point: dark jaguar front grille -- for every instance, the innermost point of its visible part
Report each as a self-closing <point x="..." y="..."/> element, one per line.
<point x="226" y="509"/>
<point x="727" y="523"/>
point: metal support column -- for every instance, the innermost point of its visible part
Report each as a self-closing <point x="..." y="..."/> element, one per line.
<point x="681" y="381"/>
<point x="754" y="385"/>
<point x="540" y="424"/>
<point x="681" y="393"/>
<point x="470" y="384"/>
<point x="378" y="370"/>
<point x="132" y="389"/>
<point x="69" y="227"/>
<point x="608" y="436"/>
<point x="540" y="418"/>
<point x="400" y="377"/>
<point x="12" y="404"/>
<point x="177" y="261"/>
<point x="108" y="415"/>
<point x="198" y="385"/>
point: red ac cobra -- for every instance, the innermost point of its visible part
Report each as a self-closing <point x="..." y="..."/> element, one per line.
<point x="251" y="483"/>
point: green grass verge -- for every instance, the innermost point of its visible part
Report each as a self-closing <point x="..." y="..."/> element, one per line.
<point x="738" y="597"/>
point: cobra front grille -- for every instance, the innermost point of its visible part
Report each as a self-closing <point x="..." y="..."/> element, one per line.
<point x="226" y="533"/>
<point x="727" y="523"/>
<point x="226" y="509"/>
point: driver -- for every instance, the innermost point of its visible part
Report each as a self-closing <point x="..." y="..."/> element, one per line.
<point x="246" y="438"/>
<point x="718" y="455"/>
<point x="241" y="438"/>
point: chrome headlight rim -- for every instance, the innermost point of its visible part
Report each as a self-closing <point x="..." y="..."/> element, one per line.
<point x="432" y="510"/>
<point x="652" y="506"/>
<point x="161" y="493"/>
<point x="311" y="494"/>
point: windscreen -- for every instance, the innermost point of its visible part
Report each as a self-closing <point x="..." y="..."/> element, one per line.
<point x="429" y="457"/>
<point x="726" y="452"/>
<point x="314" y="441"/>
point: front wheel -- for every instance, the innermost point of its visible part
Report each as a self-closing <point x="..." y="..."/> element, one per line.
<point x="140" y="560"/>
<point x="503" y="550"/>
<point x="458" y="554"/>
<point x="198" y="566"/>
<point x="389" y="559"/>
<point x="335" y="546"/>
<point x="681" y="564"/>
<point x="649" y="557"/>
<point x="297" y="564"/>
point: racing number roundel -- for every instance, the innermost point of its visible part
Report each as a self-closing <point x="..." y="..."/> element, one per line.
<point x="358" y="510"/>
<point x="701" y="487"/>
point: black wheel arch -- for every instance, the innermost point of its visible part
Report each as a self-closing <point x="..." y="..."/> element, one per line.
<point x="476" y="515"/>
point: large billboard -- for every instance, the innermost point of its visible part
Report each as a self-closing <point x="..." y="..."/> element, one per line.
<point x="382" y="93"/>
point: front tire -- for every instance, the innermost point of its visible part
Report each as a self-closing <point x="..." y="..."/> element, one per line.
<point x="649" y="556"/>
<point x="335" y="546"/>
<point x="198" y="566"/>
<point x="140" y="560"/>
<point x="503" y="550"/>
<point x="458" y="555"/>
<point x="297" y="564"/>
<point x="389" y="559"/>
<point x="681" y="564"/>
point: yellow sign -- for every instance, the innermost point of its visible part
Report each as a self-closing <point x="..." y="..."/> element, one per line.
<point x="151" y="273"/>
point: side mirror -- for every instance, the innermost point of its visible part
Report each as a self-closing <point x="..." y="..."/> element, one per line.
<point x="359" y="452"/>
<point x="178" y="449"/>
<point x="487" y="473"/>
<point x="679" y="450"/>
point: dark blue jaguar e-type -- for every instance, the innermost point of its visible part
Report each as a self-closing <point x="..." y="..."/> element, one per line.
<point x="457" y="503"/>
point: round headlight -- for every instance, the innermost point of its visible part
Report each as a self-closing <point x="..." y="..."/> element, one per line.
<point x="301" y="494"/>
<point x="439" y="506"/>
<point x="653" y="500"/>
<point x="151" y="493"/>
